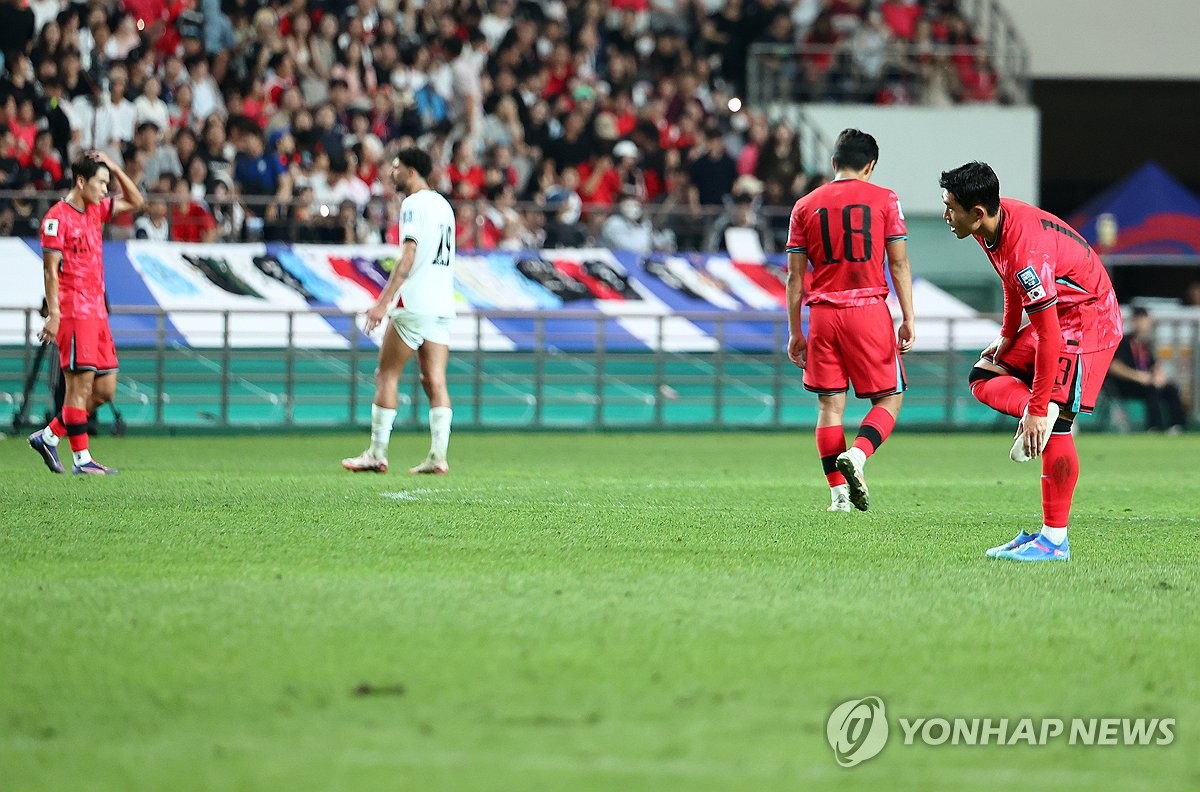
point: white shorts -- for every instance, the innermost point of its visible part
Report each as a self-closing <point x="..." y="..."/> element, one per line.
<point x="415" y="329"/>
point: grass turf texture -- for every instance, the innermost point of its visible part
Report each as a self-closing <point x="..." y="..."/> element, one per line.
<point x="582" y="612"/>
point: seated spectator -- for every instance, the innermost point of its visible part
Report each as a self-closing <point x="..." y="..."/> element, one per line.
<point x="45" y="166"/>
<point x="741" y="213"/>
<point x="157" y="159"/>
<point x="713" y="172"/>
<point x="563" y="214"/>
<point x="154" y="225"/>
<point x="226" y="207"/>
<point x="191" y="221"/>
<point x="629" y="229"/>
<point x="256" y="171"/>
<point x="1136" y="374"/>
<point x="27" y="213"/>
<point x="781" y="161"/>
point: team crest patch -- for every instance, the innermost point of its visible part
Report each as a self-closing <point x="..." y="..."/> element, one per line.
<point x="1031" y="283"/>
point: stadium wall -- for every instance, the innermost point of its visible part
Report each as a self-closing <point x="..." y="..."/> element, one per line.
<point x="917" y="143"/>
<point x="1109" y="39"/>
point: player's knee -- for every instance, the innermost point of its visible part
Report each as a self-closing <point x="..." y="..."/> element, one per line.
<point x="979" y="374"/>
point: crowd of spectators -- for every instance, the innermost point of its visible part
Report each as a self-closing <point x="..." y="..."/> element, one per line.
<point x="553" y="123"/>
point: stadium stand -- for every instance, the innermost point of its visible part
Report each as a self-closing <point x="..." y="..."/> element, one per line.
<point x="278" y="118"/>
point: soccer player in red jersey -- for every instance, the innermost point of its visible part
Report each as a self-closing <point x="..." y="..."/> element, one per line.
<point x="73" y="264"/>
<point x="836" y="249"/>
<point x="1052" y="368"/>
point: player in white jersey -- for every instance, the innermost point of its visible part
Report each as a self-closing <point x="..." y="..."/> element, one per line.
<point x="423" y="282"/>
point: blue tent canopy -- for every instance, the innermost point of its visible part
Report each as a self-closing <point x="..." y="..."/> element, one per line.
<point x="1154" y="215"/>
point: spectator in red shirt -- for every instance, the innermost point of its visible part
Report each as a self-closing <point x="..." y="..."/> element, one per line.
<point x="190" y="220"/>
<point x="464" y="168"/>
<point x="44" y="164"/>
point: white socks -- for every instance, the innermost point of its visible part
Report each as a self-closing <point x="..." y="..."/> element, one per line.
<point x="382" y="420"/>
<point x="857" y="454"/>
<point x="82" y="457"/>
<point x="50" y="438"/>
<point x="439" y="430"/>
<point x="1056" y="535"/>
<point x="381" y="430"/>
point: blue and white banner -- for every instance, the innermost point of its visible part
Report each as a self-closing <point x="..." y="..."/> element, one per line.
<point x="244" y="293"/>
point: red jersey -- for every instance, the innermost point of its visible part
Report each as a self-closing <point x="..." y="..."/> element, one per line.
<point x="844" y="227"/>
<point x="79" y="236"/>
<point x="1043" y="262"/>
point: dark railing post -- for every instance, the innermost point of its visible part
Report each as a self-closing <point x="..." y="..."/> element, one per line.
<point x="478" y="376"/>
<point x="354" y="353"/>
<point x="660" y="371"/>
<point x="601" y="327"/>
<point x="951" y="374"/>
<point x="226" y="366"/>
<point x="779" y="341"/>
<point x="539" y="367"/>
<point x="719" y="375"/>
<point x="289" y="372"/>
<point x="160" y="365"/>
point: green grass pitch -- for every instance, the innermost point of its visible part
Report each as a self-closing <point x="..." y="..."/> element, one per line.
<point x="583" y="612"/>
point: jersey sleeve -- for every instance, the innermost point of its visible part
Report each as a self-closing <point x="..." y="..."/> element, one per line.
<point x="894" y="227"/>
<point x="796" y="242"/>
<point x="52" y="232"/>
<point x="410" y="220"/>
<point x="106" y="209"/>
<point x="1035" y="285"/>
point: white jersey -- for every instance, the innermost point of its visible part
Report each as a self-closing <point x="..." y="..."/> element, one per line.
<point x="427" y="219"/>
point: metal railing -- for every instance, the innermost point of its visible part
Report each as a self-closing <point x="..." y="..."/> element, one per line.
<point x="785" y="73"/>
<point x="565" y="372"/>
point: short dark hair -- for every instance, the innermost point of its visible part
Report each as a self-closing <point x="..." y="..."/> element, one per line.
<point x="974" y="184"/>
<point x="85" y="167"/>
<point x="1139" y="312"/>
<point x="854" y="149"/>
<point x="418" y="160"/>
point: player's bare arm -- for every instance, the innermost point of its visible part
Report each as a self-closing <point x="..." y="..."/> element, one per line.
<point x="906" y="334"/>
<point x="797" y="346"/>
<point x="377" y="312"/>
<point x="51" y="261"/>
<point x="131" y="199"/>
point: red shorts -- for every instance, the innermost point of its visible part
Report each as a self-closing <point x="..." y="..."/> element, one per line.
<point x="86" y="345"/>
<point x="855" y="344"/>
<point x="1078" y="376"/>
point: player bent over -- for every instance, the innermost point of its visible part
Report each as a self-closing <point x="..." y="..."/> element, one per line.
<point x="423" y="280"/>
<point x="76" y="317"/>
<point x="839" y="236"/>
<point x="1052" y="368"/>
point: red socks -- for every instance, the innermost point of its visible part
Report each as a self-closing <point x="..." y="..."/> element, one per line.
<point x="57" y="426"/>
<point x="1060" y="471"/>
<point x="875" y="428"/>
<point x="76" y="426"/>
<point x="1003" y="393"/>
<point x="831" y="441"/>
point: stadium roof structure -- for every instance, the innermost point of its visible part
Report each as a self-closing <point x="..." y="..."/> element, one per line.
<point x="1155" y="215"/>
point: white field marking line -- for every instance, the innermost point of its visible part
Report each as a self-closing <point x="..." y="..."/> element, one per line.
<point x="405" y="495"/>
